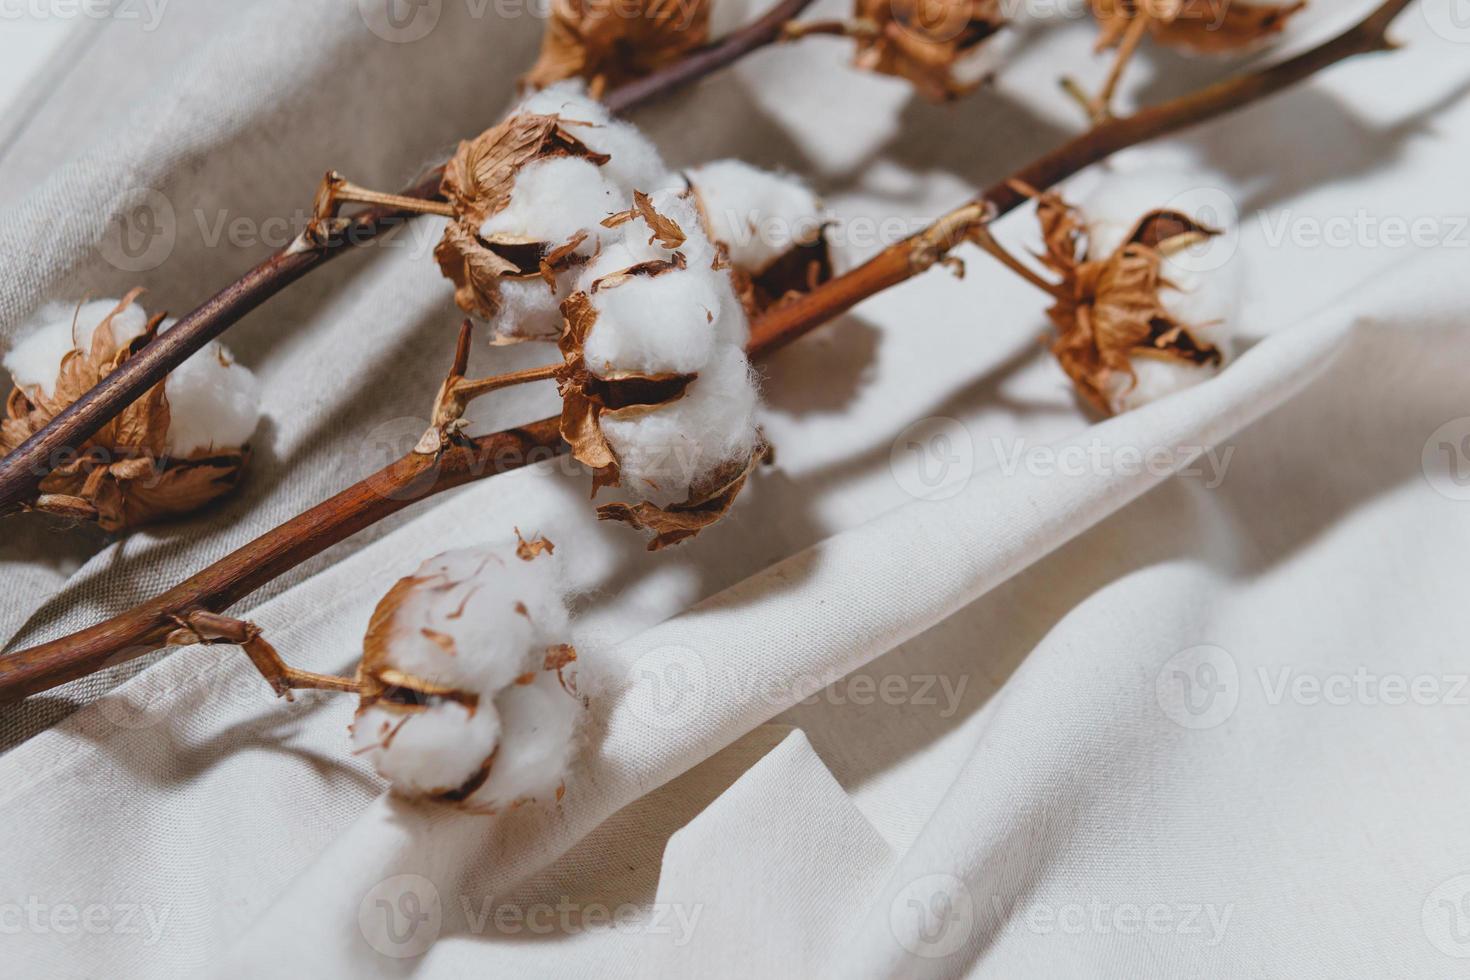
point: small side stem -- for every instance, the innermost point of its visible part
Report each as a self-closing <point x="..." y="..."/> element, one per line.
<point x="468" y="389"/>
<point x="983" y="238"/>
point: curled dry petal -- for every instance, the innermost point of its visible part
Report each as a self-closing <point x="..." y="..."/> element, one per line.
<point x="609" y="42"/>
<point x="1209" y="26"/>
<point x="477" y="182"/>
<point x="922" y="40"/>
<point x="1109" y="309"/>
<point x="122" y="476"/>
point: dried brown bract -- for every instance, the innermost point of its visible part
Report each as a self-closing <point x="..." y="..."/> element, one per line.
<point x="1210" y="26"/>
<point x="609" y="42"/>
<point x="924" y="40"/>
<point x="1109" y="309"/>
<point x="122" y="476"/>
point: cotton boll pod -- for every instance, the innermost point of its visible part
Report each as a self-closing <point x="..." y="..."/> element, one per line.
<point x="180" y="446"/>
<point x="609" y="42"/>
<point x="929" y="42"/>
<point x="528" y="196"/>
<point x="657" y="394"/>
<point x="1202" y="26"/>
<point x="1134" y="321"/>
<point x="770" y="226"/>
<point x="464" y="692"/>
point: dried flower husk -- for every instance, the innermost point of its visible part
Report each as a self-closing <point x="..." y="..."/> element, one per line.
<point x="1206" y="26"/>
<point x="609" y="42"/>
<point x="1109" y="309"/>
<point x="122" y="477"/>
<point x="477" y="182"/>
<point x="924" y="40"/>
<point x="389" y="691"/>
<point x="709" y="501"/>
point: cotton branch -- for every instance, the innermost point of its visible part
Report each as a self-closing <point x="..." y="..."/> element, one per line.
<point x="21" y="471"/>
<point x="417" y="475"/>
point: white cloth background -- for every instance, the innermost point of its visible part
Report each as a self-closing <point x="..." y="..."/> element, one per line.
<point x="1052" y="723"/>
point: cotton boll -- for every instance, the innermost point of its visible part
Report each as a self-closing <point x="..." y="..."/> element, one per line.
<point x="758" y="215"/>
<point x="427" y="751"/>
<point x="59" y="328"/>
<point x="635" y="163"/>
<point x="661" y="453"/>
<point x="538" y="736"/>
<point x="553" y="200"/>
<point x="213" y="403"/>
<point x="479" y="628"/>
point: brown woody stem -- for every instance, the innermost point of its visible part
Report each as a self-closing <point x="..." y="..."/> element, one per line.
<point x="414" y="477"/>
<point x="23" y="469"/>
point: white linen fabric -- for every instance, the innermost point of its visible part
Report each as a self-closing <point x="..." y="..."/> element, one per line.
<point x="967" y="684"/>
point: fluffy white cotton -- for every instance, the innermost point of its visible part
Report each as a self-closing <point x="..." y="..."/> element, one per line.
<point x="497" y="612"/>
<point x="759" y="216"/>
<point x="478" y="622"/>
<point x="538" y="735"/>
<point x="214" y="403"/>
<point x="530" y="308"/>
<point x="56" y="329"/>
<point x="662" y="453"/>
<point x="651" y="324"/>
<point x="554" y="199"/>
<point x="635" y="163"/>
<point x="1204" y="286"/>
<point x="668" y="323"/>
<point x="426" y="751"/>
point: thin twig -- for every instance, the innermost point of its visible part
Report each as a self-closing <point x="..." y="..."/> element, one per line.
<point x="414" y="477"/>
<point x="23" y="469"/>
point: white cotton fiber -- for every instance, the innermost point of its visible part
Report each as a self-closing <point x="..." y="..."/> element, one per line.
<point x="661" y="453"/>
<point x="635" y="163"/>
<point x="554" y="199"/>
<point x="530" y="308"/>
<point x="429" y="750"/>
<point x="538" y="735"/>
<point x="214" y="403"/>
<point x="474" y="625"/>
<point x="651" y="324"/>
<point x="59" y="328"/>
<point x="758" y="215"/>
